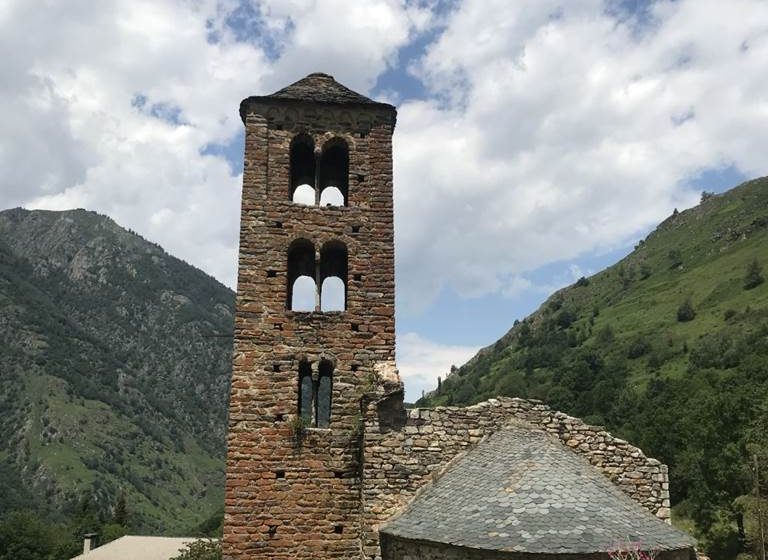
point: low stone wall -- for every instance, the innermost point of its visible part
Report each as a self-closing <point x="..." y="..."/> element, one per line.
<point x="398" y="462"/>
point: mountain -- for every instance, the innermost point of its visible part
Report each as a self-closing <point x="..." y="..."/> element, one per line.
<point x="115" y="362"/>
<point x="669" y="348"/>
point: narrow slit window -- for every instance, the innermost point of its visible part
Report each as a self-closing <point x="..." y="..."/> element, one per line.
<point x="306" y="393"/>
<point x="324" y="391"/>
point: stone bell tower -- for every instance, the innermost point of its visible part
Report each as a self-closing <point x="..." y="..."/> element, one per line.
<point x="314" y="327"/>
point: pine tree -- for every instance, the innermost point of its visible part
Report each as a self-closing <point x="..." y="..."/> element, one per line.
<point x="120" y="513"/>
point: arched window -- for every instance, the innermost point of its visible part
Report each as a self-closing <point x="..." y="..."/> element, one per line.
<point x="306" y="392"/>
<point x="304" y="194"/>
<point x="301" y="276"/>
<point x="302" y="169"/>
<point x="331" y="196"/>
<point x="324" y="392"/>
<point x="332" y="294"/>
<point x="333" y="264"/>
<point x="334" y="169"/>
<point x="304" y="296"/>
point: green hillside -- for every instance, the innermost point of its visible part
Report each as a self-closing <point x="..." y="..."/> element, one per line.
<point x="668" y="348"/>
<point x="111" y="383"/>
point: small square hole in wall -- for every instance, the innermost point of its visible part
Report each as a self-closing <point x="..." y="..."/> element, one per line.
<point x="278" y="127"/>
<point x="355" y="229"/>
<point x="278" y="327"/>
<point x="278" y="225"/>
<point x="355" y="327"/>
<point x="279" y="417"/>
<point x="338" y="529"/>
<point x="363" y="134"/>
<point x="280" y="474"/>
<point x="338" y="474"/>
<point x="271" y="273"/>
<point x="272" y="530"/>
<point x="275" y="367"/>
<point x="358" y="277"/>
<point x="354" y="367"/>
<point x="360" y="177"/>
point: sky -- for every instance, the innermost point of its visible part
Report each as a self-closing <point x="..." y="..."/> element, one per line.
<point x="537" y="140"/>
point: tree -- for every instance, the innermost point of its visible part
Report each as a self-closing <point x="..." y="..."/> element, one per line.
<point x="120" y="513"/>
<point x="686" y="312"/>
<point x="202" y="549"/>
<point x="754" y="276"/>
<point x="111" y="532"/>
<point x="22" y="535"/>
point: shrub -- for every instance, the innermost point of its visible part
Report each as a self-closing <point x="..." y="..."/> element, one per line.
<point x="203" y="549"/>
<point x="605" y="335"/>
<point x="645" y="271"/>
<point x="637" y="347"/>
<point x="675" y="258"/>
<point x="582" y="282"/>
<point x="565" y="318"/>
<point x="729" y="314"/>
<point x="631" y="551"/>
<point x="754" y="276"/>
<point x="686" y="312"/>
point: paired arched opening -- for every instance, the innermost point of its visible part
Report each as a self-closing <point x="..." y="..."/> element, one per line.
<point x="323" y="181"/>
<point x="317" y="286"/>
<point x="315" y="393"/>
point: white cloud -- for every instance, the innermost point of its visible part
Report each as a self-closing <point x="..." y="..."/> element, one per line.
<point x="551" y="130"/>
<point x="555" y="131"/>
<point x="421" y="361"/>
<point x="110" y="103"/>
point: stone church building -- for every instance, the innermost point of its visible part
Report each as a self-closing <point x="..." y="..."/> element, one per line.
<point x="324" y="462"/>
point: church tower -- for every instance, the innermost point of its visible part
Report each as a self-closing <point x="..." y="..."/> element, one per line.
<point x="314" y="326"/>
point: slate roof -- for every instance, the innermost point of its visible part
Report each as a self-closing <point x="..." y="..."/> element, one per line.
<point x="321" y="88"/>
<point x="317" y="88"/>
<point x="522" y="490"/>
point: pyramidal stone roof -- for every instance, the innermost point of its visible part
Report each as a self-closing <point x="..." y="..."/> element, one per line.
<point x="316" y="88"/>
<point x="321" y="88"/>
<point x="523" y="491"/>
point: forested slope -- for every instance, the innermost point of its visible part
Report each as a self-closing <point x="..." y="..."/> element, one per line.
<point x="112" y="379"/>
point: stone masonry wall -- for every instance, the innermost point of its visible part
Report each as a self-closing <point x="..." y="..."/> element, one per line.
<point x="294" y="492"/>
<point x="399" y="462"/>
<point x="402" y="549"/>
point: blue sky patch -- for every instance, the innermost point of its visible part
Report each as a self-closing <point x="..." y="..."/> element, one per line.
<point x="232" y="151"/>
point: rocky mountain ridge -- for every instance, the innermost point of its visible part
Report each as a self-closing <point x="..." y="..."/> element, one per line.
<point x="114" y="371"/>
